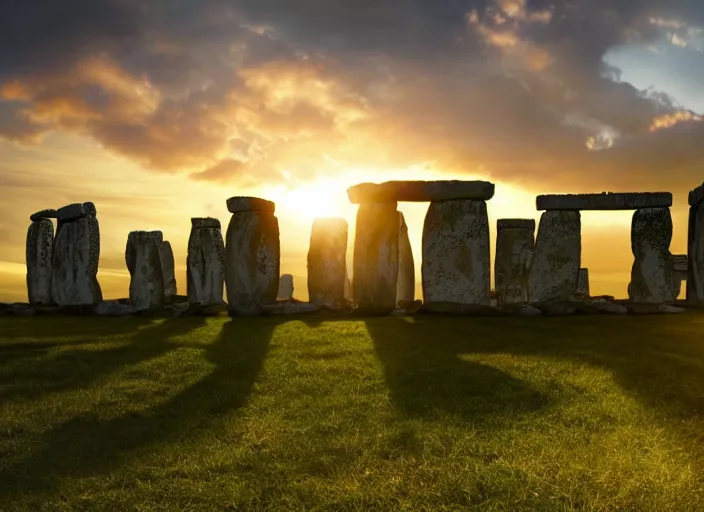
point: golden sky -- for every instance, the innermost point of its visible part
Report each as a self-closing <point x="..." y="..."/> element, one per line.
<point x="158" y="112"/>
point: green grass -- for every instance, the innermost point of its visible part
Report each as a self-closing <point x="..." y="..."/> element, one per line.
<point x="421" y="413"/>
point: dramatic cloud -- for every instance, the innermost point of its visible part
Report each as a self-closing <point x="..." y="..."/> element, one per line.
<point x="246" y="90"/>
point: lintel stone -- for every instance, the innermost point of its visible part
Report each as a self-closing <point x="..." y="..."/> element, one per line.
<point x="249" y="204"/>
<point x="420" y="191"/>
<point x="605" y="201"/>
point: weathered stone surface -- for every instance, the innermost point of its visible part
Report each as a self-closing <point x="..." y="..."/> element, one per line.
<point x="514" y="252"/>
<point x="75" y="211"/>
<point x="558" y="307"/>
<point x="348" y="288"/>
<point x="583" y="283"/>
<point x="250" y="204"/>
<point x="529" y="311"/>
<point x="291" y="308"/>
<point x="327" y="262"/>
<point x="376" y="257"/>
<point x="39" y="250"/>
<point x="166" y="255"/>
<point x="252" y="261"/>
<point x="76" y="252"/>
<point x="695" y="255"/>
<point x="461" y="308"/>
<point x="146" y="275"/>
<point x="651" y="275"/>
<point x="679" y="273"/>
<point x="285" y="287"/>
<point x="455" y="265"/>
<point x="205" y="223"/>
<point x="679" y="262"/>
<point x="556" y="259"/>
<point x="406" y="283"/>
<point x="115" y="308"/>
<point x="432" y="191"/>
<point x="43" y="214"/>
<point x="604" y="201"/>
<point x="666" y="308"/>
<point x="205" y="264"/>
<point x="696" y="196"/>
<point x="605" y="306"/>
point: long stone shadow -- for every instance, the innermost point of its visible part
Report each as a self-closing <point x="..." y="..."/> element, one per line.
<point x="77" y="369"/>
<point x="428" y="378"/>
<point x="53" y="326"/>
<point x="87" y="445"/>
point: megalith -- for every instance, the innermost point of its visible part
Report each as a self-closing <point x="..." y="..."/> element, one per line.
<point x="406" y="284"/>
<point x="40" y="241"/>
<point x="695" y="247"/>
<point x="205" y="263"/>
<point x="376" y="257"/>
<point x="327" y="262"/>
<point x="554" y="269"/>
<point x="75" y="255"/>
<point x="583" y="283"/>
<point x="455" y="265"/>
<point x="146" y="275"/>
<point x="252" y="250"/>
<point x="285" y="291"/>
<point x="651" y="274"/>
<point x="166" y="257"/>
<point x="679" y="273"/>
<point x="514" y="252"/>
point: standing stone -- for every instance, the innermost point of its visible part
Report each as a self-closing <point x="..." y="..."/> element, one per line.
<point x="455" y="265"/>
<point x="679" y="273"/>
<point x="376" y="257"/>
<point x="583" y="283"/>
<point x="76" y="251"/>
<point x="166" y="256"/>
<point x="514" y="252"/>
<point x="285" y="287"/>
<point x="349" y="298"/>
<point x="40" y="239"/>
<point x="406" y="284"/>
<point x="695" y="255"/>
<point x="205" y="263"/>
<point x="252" y="258"/>
<point x="651" y="275"/>
<point x="556" y="259"/>
<point x="146" y="275"/>
<point x="327" y="262"/>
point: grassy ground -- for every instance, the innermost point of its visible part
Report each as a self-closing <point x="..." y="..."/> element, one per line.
<point x="423" y="413"/>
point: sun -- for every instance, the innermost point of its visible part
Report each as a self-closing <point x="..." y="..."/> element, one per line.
<point x="324" y="197"/>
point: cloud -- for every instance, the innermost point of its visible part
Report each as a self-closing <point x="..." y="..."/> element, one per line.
<point x="243" y="91"/>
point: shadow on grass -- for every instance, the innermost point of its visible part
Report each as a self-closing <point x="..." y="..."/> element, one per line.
<point x="657" y="359"/>
<point x="86" y="444"/>
<point x="76" y="369"/>
<point x="57" y="326"/>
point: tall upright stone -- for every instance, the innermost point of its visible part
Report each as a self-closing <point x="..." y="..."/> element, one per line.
<point x="166" y="256"/>
<point x="76" y="252"/>
<point x="285" y="291"/>
<point x="205" y="263"/>
<point x="252" y="255"/>
<point x="327" y="262"/>
<point x="455" y="265"/>
<point x="406" y="284"/>
<point x="146" y="275"/>
<point x="376" y="257"/>
<point x="554" y="269"/>
<point x="583" y="283"/>
<point x="514" y="253"/>
<point x="40" y="241"/>
<point x="695" y="247"/>
<point x="651" y="275"/>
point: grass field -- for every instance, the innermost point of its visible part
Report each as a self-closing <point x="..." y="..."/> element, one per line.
<point x="313" y="413"/>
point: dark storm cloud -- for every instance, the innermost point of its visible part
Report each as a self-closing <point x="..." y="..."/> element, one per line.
<point x="513" y="89"/>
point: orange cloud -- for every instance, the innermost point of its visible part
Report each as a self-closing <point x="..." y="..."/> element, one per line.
<point x="669" y="120"/>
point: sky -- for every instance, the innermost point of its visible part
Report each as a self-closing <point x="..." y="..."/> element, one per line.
<point x="158" y="111"/>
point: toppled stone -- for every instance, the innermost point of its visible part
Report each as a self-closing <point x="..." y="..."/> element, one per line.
<point x="514" y="252"/>
<point x="420" y="191"/>
<point x="651" y="275"/>
<point x="696" y="196"/>
<point x="285" y="287"/>
<point x="604" y="201"/>
<point x="250" y="204"/>
<point x="640" y="308"/>
<point x="290" y="308"/>
<point x="558" y="308"/>
<point x="665" y="308"/>
<point x="114" y="308"/>
<point x="76" y="252"/>
<point x="188" y="309"/>
<point x="205" y="263"/>
<point x="39" y="250"/>
<point x="166" y="256"/>
<point x="252" y="261"/>
<point x="604" y="306"/>
<point x="460" y="308"/>
<point x="376" y="258"/>
<point x="327" y="263"/>
<point x="406" y="283"/>
<point x="528" y="311"/>
<point x="695" y="255"/>
<point x="455" y="265"/>
<point x="146" y="275"/>
<point x="556" y="258"/>
<point x="583" y="283"/>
